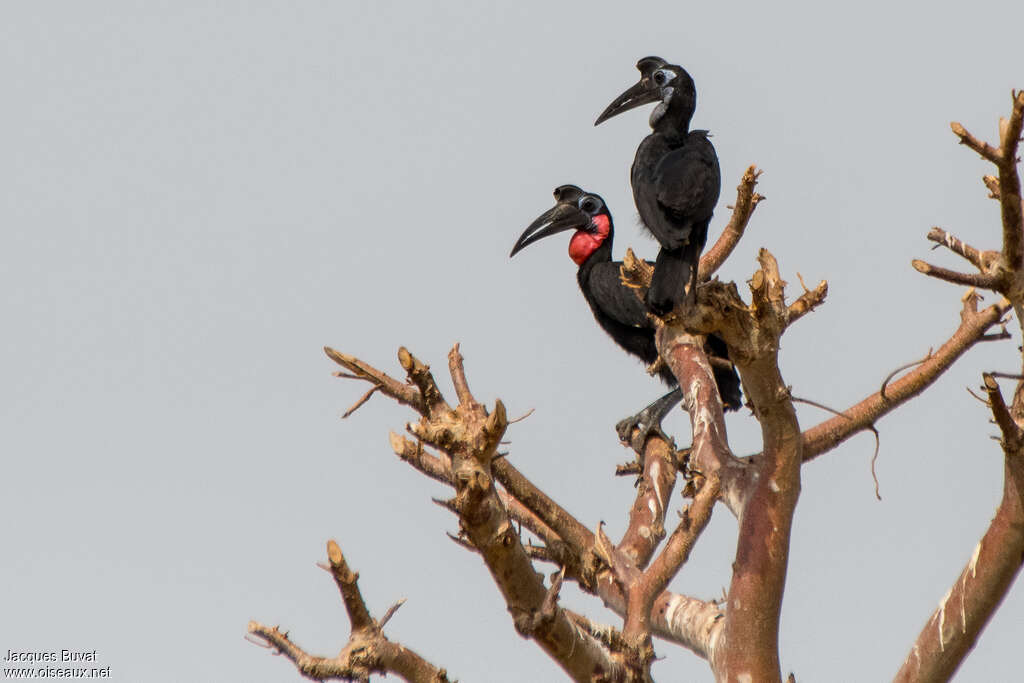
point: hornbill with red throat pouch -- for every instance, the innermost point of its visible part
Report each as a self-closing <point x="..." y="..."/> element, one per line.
<point x="675" y="178"/>
<point x="618" y="310"/>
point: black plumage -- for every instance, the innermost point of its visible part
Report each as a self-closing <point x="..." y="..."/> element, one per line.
<point x="617" y="309"/>
<point x="675" y="177"/>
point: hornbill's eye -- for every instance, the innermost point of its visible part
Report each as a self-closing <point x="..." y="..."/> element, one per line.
<point x="590" y="205"/>
<point x="662" y="77"/>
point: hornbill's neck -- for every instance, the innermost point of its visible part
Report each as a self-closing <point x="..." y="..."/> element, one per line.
<point x="671" y="118"/>
<point x="603" y="254"/>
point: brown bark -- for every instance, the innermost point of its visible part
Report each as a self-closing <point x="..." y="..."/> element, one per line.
<point x="740" y="637"/>
<point x="974" y="324"/>
<point x="654" y="491"/>
<point x="954" y="628"/>
<point x="951" y="632"/>
<point x="748" y="648"/>
<point x="746" y="201"/>
<point x="367" y="651"/>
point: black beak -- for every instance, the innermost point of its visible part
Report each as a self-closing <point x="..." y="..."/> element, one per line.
<point x="640" y="94"/>
<point x="553" y="221"/>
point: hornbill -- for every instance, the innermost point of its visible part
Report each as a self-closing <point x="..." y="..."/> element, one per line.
<point x="675" y="178"/>
<point x="616" y="307"/>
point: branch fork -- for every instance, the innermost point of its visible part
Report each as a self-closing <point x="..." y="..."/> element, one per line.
<point x="367" y="650"/>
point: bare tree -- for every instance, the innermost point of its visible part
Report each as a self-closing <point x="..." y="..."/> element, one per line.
<point x="458" y="444"/>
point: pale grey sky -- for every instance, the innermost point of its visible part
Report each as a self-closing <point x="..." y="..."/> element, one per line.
<point x="198" y="197"/>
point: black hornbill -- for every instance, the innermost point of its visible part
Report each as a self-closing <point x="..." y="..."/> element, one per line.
<point x="616" y="307"/>
<point x="675" y="178"/>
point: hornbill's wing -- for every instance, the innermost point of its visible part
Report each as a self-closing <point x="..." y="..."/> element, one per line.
<point x="616" y="300"/>
<point x="687" y="182"/>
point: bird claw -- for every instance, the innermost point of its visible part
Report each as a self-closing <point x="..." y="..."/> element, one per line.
<point x="646" y="423"/>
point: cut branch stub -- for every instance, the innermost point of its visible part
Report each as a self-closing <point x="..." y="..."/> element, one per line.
<point x="635" y="273"/>
<point x="987" y="151"/>
<point x="458" y="373"/>
<point x="469" y="436"/>
<point x="1012" y="436"/>
<point x="419" y="374"/>
<point x="751" y="331"/>
<point x="1006" y="188"/>
<point x="488" y="519"/>
<point x="400" y="391"/>
<point x="746" y="201"/>
<point x="347" y="585"/>
<point x="367" y="650"/>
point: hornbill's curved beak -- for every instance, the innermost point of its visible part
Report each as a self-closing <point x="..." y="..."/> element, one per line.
<point x="558" y="219"/>
<point x="638" y="95"/>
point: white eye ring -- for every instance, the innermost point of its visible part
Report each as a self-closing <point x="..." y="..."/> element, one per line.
<point x="663" y="76"/>
<point x="589" y="204"/>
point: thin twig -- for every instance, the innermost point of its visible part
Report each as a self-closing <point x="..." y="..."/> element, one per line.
<point x="870" y="427"/>
<point x="979" y="398"/>
<point x="891" y="375"/>
<point x="391" y="612"/>
<point x="1004" y="375"/>
<point x="458" y="540"/>
<point x="874" y="459"/>
<point x="522" y="417"/>
<point x="824" y="407"/>
<point x="365" y="397"/>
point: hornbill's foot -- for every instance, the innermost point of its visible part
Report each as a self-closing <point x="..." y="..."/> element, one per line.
<point x="646" y="423"/>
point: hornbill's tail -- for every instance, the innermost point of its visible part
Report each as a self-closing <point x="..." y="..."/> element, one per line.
<point x="674" y="270"/>
<point x="727" y="379"/>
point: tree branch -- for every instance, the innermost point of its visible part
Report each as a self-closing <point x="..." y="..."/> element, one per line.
<point x="677" y="618"/>
<point x="827" y="435"/>
<point x="419" y="374"/>
<point x="346" y="579"/>
<point x="709" y="453"/>
<point x="1009" y="185"/>
<point x="647" y="516"/>
<point x="979" y="280"/>
<point x="405" y="394"/>
<point x="749" y="642"/>
<point x="643" y="592"/>
<point x="412" y="452"/>
<point x="955" y="626"/>
<point x="746" y="201"/>
<point x="568" y="528"/>
<point x="694" y="624"/>
<point x="1009" y="193"/>
<point x="982" y="260"/>
<point x="458" y="373"/>
<point x="806" y="302"/>
<point x="986" y="150"/>
<point x="469" y="435"/>
<point x="746" y="646"/>
<point x="693" y="520"/>
<point x="367" y="650"/>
